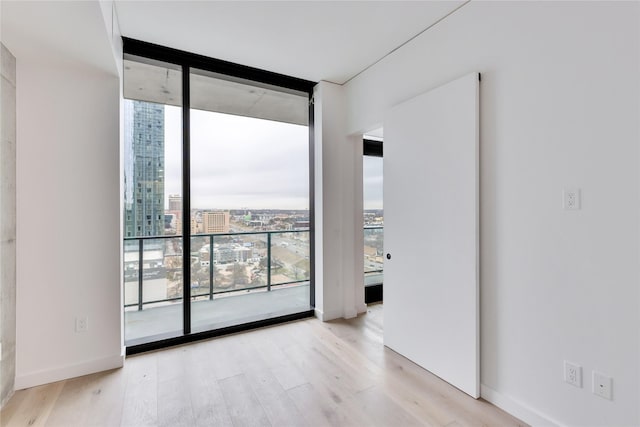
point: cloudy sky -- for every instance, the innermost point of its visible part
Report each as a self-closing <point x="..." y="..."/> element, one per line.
<point x="372" y="182"/>
<point x="239" y="162"/>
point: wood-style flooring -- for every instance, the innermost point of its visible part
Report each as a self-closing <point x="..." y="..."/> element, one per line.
<point x="304" y="373"/>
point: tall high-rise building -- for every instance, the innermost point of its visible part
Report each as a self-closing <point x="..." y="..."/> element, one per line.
<point x="144" y="169"/>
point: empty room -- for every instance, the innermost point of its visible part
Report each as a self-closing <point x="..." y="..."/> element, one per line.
<point x="320" y="213"/>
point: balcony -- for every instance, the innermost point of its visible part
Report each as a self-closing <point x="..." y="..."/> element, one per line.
<point x="373" y="255"/>
<point x="235" y="278"/>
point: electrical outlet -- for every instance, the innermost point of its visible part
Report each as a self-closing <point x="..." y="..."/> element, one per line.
<point x="82" y="324"/>
<point x="571" y="199"/>
<point x="602" y="385"/>
<point x="573" y="374"/>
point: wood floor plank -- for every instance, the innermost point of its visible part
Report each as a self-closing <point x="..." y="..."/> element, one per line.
<point x="174" y="404"/>
<point x="303" y="373"/>
<point x="72" y="404"/>
<point x="242" y="404"/>
<point x="207" y="402"/>
<point x="274" y="399"/>
<point x="316" y="409"/>
<point x="382" y="411"/>
<point x="222" y="360"/>
<point x="37" y="405"/>
<point x="141" y="391"/>
<point x="289" y="376"/>
<point x="107" y="399"/>
<point x="11" y="407"/>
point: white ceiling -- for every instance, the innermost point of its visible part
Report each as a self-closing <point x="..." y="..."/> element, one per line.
<point x="313" y="40"/>
<point x="50" y="30"/>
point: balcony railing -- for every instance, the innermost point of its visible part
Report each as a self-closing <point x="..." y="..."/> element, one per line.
<point x="221" y="263"/>
<point x="373" y="249"/>
<point x="227" y="263"/>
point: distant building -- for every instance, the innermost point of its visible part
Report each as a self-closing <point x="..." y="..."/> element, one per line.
<point x="195" y="226"/>
<point x="175" y="202"/>
<point x="215" y="222"/>
<point x="226" y="253"/>
<point x="144" y="169"/>
<point x="301" y="225"/>
<point x="170" y="221"/>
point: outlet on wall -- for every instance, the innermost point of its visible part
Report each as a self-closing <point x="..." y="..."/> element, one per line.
<point x="571" y="199"/>
<point x="573" y="374"/>
<point x="82" y="324"/>
<point x="602" y="385"/>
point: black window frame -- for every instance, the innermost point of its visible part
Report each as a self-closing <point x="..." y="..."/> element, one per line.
<point x="374" y="148"/>
<point x="187" y="61"/>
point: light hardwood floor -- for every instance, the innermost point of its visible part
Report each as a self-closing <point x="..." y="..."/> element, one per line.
<point x="304" y="373"/>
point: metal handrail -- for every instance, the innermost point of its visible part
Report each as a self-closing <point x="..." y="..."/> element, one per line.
<point x="235" y="233"/>
<point x="140" y="304"/>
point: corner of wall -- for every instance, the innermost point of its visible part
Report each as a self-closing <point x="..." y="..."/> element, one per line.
<point x="338" y="187"/>
<point x="8" y="219"/>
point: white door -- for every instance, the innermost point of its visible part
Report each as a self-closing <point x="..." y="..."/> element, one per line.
<point x="431" y="232"/>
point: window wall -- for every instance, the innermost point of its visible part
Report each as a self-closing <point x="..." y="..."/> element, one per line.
<point x="153" y="285"/>
<point x="216" y="197"/>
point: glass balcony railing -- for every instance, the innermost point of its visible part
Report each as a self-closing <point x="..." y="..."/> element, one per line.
<point x="227" y="264"/>
<point x="222" y="264"/>
<point x="373" y="255"/>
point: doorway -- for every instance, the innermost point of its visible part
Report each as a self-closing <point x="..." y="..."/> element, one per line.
<point x="373" y="207"/>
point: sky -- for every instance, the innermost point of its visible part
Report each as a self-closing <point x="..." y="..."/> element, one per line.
<point x="241" y="162"/>
<point x="372" y="182"/>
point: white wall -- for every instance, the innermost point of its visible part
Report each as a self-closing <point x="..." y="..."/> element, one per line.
<point x="559" y="108"/>
<point x="338" y="223"/>
<point x="68" y="220"/>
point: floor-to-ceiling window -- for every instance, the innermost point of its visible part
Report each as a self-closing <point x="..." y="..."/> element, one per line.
<point x="217" y="206"/>
<point x="152" y="167"/>
<point x="372" y="172"/>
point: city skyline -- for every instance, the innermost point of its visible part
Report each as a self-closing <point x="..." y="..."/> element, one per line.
<point x="251" y="175"/>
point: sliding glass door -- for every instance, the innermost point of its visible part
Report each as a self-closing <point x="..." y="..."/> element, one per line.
<point x="217" y="208"/>
<point x="249" y="201"/>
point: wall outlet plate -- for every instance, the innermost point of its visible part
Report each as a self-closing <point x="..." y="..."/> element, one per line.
<point x="602" y="385"/>
<point x="82" y="324"/>
<point x="571" y="199"/>
<point x="573" y="374"/>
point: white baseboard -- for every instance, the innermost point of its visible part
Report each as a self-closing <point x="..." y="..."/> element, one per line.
<point x="70" y="371"/>
<point x="328" y="315"/>
<point x="350" y="313"/>
<point x="516" y="408"/>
